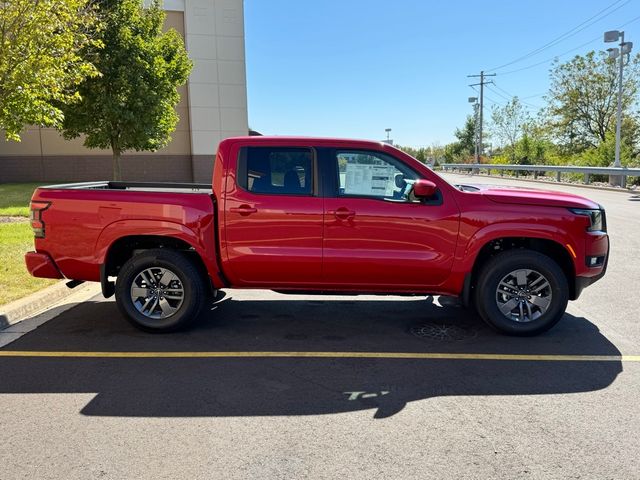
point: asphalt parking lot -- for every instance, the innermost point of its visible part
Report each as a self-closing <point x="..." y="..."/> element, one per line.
<point x="489" y="407"/>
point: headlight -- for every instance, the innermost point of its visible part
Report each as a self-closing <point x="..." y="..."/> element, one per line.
<point x="596" y="217"/>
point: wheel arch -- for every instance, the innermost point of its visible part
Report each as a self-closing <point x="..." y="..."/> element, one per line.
<point x="551" y="248"/>
<point x="123" y="248"/>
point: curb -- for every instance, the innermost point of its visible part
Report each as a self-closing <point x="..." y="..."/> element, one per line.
<point x="18" y="310"/>
<point x="547" y="182"/>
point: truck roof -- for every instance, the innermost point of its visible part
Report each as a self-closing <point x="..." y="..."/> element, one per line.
<point x="302" y="140"/>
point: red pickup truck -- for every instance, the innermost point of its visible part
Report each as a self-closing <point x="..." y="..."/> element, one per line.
<point x="319" y="216"/>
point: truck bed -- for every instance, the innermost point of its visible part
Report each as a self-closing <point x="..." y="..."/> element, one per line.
<point x="81" y="221"/>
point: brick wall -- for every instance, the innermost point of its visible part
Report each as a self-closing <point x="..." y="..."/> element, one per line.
<point x="78" y="168"/>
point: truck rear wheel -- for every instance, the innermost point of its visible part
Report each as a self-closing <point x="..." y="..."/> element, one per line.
<point x="160" y="290"/>
<point x="521" y="292"/>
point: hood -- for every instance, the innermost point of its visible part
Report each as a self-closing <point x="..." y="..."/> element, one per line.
<point x="529" y="196"/>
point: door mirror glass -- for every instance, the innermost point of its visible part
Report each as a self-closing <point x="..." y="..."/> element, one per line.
<point x="424" y="188"/>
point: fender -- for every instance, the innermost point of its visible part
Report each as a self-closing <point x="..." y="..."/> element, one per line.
<point x="467" y="254"/>
<point x="203" y="242"/>
<point x="469" y="246"/>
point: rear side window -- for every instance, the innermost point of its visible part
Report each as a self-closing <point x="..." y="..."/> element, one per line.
<point x="276" y="170"/>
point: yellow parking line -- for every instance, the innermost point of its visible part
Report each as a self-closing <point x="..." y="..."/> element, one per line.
<point x="389" y="355"/>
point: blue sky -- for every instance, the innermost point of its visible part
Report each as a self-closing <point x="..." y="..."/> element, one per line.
<point x="352" y="68"/>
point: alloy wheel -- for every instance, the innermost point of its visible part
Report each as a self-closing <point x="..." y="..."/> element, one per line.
<point x="157" y="292"/>
<point x="523" y="295"/>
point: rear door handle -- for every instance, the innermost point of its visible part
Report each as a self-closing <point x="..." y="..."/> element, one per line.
<point x="343" y="213"/>
<point x="243" y="210"/>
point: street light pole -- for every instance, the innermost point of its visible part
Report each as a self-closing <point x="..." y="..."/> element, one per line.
<point x="616" y="163"/>
<point x="625" y="48"/>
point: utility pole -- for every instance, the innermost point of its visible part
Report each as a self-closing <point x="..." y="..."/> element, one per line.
<point x="476" y="152"/>
<point x="482" y="84"/>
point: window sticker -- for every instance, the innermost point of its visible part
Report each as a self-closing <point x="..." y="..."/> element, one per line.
<point x="371" y="180"/>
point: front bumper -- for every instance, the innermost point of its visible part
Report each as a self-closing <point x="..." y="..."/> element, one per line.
<point x="583" y="282"/>
<point x="41" y="265"/>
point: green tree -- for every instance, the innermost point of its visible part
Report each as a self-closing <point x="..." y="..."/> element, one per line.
<point x="40" y="60"/>
<point x="509" y="123"/>
<point x="436" y="152"/>
<point x="582" y="99"/>
<point x="419" y="154"/>
<point x="532" y="147"/>
<point x="464" y="148"/>
<point x="131" y="105"/>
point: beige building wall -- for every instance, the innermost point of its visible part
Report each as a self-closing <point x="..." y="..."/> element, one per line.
<point x="217" y="85"/>
<point x="213" y="106"/>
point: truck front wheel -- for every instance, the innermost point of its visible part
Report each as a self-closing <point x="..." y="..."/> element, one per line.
<point x="521" y="292"/>
<point x="160" y="290"/>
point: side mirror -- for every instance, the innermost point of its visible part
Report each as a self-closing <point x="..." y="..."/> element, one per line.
<point x="424" y="188"/>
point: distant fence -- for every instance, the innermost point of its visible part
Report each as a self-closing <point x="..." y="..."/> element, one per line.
<point x="543" y="169"/>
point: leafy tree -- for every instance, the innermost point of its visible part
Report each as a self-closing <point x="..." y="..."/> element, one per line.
<point x="467" y="136"/>
<point x="465" y="146"/>
<point x="417" y="153"/>
<point x="131" y="105"/>
<point x="532" y="148"/>
<point x="604" y="154"/>
<point x="583" y="99"/>
<point x="509" y="123"/>
<point x="436" y="153"/>
<point x="40" y="60"/>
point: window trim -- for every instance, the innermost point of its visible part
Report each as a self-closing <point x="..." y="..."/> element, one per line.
<point x="242" y="172"/>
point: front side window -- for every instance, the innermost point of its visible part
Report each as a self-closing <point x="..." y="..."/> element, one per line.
<point x="373" y="174"/>
<point x="276" y="171"/>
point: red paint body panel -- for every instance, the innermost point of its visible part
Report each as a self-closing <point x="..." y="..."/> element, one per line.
<point x="277" y="246"/>
<point x="536" y="197"/>
<point x="297" y="242"/>
<point x="82" y="224"/>
<point x="385" y="245"/>
<point x="40" y="265"/>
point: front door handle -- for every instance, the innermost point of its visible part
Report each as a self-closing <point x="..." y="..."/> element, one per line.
<point x="243" y="210"/>
<point x="343" y="213"/>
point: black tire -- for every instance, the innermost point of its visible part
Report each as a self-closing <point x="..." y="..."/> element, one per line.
<point x="499" y="267"/>
<point x="186" y="276"/>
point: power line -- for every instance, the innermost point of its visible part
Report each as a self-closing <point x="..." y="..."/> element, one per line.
<point x="508" y="99"/>
<point x="552" y="58"/>
<point x="575" y="30"/>
<point x="521" y="99"/>
<point x="590" y="21"/>
<point x="599" y="37"/>
<point x="495" y="102"/>
<point x="533" y="96"/>
<point x="510" y="96"/>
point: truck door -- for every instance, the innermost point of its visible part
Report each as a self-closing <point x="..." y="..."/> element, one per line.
<point x="377" y="236"/>
<point x="273" y="218"/>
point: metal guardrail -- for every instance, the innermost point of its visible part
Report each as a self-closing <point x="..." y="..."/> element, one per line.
<point x="538" y="169"/>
